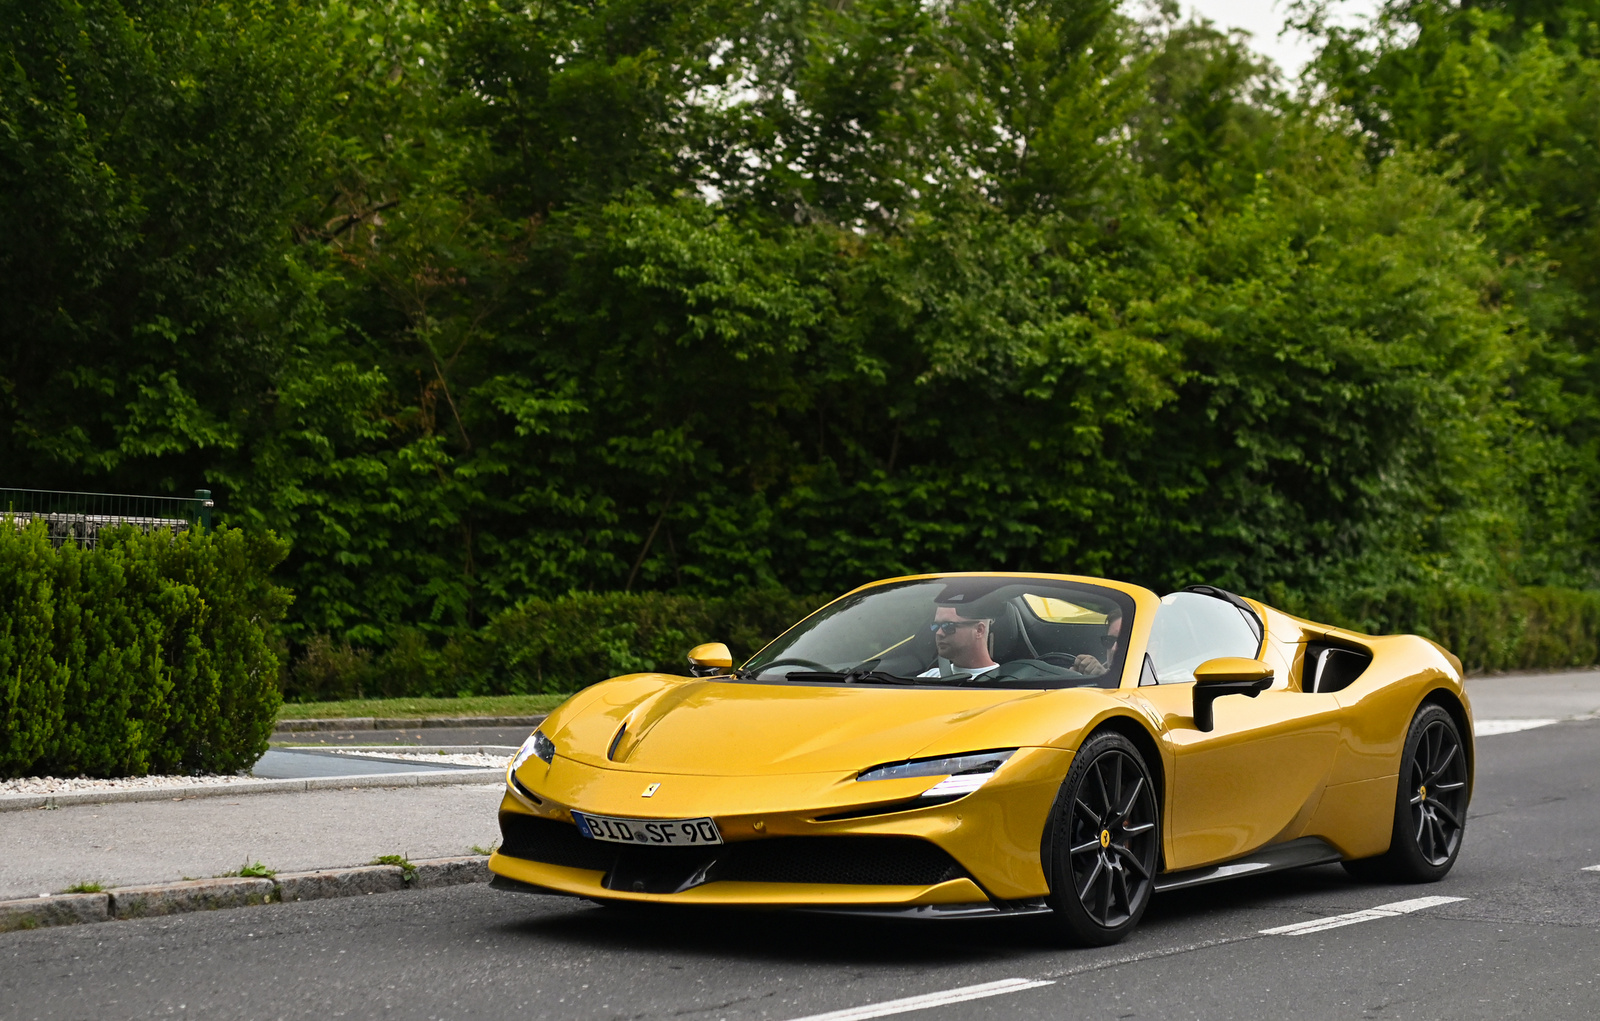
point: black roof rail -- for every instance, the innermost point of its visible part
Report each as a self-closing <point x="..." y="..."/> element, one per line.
<point x="1237" y="600"/>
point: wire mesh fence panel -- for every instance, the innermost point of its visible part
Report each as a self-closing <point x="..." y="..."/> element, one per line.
<point x="81" y="517"/>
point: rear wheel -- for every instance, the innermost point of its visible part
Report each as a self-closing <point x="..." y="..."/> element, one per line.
<point x="1430" y="812"/>
<point x="1104" y="843"/>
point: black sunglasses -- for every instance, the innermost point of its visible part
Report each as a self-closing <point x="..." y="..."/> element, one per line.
<point x="1109" y="640"/>
<point x="944" y="627"/>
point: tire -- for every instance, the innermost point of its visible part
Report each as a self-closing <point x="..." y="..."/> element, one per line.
<point x="1104" y="843"/>
<point x="1430" y="809"/>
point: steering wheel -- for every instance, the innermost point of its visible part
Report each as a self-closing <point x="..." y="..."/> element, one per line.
<point x="822" y="668"/>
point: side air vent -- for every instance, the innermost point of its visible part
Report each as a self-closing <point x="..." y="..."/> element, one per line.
<point x="1331" y="667"/>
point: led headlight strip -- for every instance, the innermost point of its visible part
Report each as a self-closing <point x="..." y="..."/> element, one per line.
<point x="962" y="774"/>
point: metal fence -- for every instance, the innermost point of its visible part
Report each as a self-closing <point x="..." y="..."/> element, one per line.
<point x="79" y="517"/>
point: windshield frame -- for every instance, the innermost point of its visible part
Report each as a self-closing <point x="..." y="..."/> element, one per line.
<point x="1124" y="597"/>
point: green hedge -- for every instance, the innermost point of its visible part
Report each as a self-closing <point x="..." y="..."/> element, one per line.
<point x="150" y="653"/>
<point x="1519" y="629"/>
<point x="548" y="645"/>
<point x="563" y="644"/>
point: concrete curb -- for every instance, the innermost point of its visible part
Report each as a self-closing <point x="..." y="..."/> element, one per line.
<point x="189" y="895"/>
<point x="432" y="873"/>
<point x="433" y="778"/>
<point x="400" y="723"/>
<point x="325" y="884"/>
<point x="62" y="909"/>
<point x="156" y="899"/>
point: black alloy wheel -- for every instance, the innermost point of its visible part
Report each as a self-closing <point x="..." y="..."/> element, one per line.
<point x="1430" y="807"/>
<point x="1105" y="842"/>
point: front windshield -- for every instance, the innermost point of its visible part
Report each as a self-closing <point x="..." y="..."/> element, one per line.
<point x="967" y="630"/>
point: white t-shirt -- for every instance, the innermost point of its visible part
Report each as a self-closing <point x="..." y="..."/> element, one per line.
<point x="969" y="671"/>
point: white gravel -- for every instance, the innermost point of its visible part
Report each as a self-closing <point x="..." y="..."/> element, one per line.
<point x="62" y="785"/>
<point x="455" y="758"/>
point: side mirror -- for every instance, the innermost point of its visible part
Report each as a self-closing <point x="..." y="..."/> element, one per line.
<point x="1226" y="675"/>
<point x="708" y="659"/>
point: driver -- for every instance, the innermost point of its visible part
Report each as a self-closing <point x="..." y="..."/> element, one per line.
<point x="1090" y="666"/>
<point x="964" y="641"/>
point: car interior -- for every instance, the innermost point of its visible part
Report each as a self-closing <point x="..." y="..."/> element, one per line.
<point x="1040" y="630"/>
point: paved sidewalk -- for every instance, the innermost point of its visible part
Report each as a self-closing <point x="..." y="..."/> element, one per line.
<point x="151" y="842"/>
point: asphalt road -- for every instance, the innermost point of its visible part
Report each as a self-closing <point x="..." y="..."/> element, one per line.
<point x="512" y="736"/>
<point x="294" y="763"/>
<point x="1522" y="940"/>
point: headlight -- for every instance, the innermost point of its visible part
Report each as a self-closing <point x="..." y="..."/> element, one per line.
<point x="536" y="744"/>
<point x="962" y="774"/>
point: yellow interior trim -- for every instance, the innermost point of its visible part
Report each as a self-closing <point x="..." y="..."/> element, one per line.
<point x="1054" y="610"/>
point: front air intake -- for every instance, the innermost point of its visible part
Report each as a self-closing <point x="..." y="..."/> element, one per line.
<point x="553" y="843"/>
<point x="868" y="861"/>
<point x="845" y="860"/>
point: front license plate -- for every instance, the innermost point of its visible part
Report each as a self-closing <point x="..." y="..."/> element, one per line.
<point x="659" y="832"/>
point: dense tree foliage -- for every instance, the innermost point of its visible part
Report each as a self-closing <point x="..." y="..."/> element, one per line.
<point x="1504" y="98"/>
<point x="484" y="301"/>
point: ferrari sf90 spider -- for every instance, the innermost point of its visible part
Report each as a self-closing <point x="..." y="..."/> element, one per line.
<point x="998" y="744"/>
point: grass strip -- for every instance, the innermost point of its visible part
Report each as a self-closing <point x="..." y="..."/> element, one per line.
<point x="422" y="708"/>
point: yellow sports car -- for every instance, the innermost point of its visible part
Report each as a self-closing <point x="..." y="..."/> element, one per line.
<point x="999" y="744"/>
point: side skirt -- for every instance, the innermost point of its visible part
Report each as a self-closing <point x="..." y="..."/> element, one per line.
<point x="1293" y="854"/>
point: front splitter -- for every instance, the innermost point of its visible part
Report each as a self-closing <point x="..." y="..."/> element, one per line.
<point x="558" y="879"/>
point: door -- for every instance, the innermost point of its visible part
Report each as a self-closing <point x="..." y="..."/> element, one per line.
<point x="1255" y="778"/>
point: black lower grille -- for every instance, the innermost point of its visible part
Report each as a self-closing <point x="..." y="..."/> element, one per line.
<point x="873" y="861"/>
<point x="554" y="843"/>
<point x="860" y="861"/>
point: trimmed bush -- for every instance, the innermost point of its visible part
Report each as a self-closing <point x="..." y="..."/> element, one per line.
<point x="1490" y="631"/>
<point x="329" y="671"/>
<point x="33" y="682"/>
<point x="148" y="653"/>
<point x="563" y="644"/>
<point x="548" y="645"/>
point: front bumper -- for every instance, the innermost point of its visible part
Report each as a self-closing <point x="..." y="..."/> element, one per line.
<point x="786" y="843"/>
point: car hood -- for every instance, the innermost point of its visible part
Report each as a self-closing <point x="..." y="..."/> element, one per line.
<point x="664" y="724"/>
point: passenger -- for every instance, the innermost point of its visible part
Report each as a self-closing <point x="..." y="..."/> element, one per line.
<point x="963" y="641"/>
<point x="1089" y="665"/>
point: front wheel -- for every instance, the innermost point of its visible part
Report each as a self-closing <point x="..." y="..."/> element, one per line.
<point x="1105" y="840"/>
<point x="1430" y="811"/>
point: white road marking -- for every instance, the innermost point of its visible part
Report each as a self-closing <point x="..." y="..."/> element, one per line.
<point x="926" y="1000"/>
<point x="1484" y="728"/>
<point x="1398" y="908"/>
<point x="1017" y="985"/>
<point x="1591" y="868"/>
